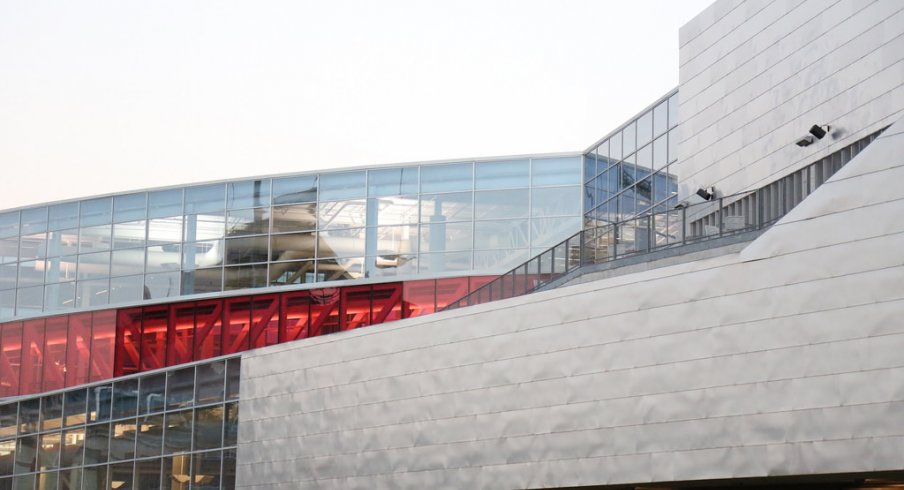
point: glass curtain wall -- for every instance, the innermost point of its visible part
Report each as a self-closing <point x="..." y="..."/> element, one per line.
<point x="174" y="429"/>
<point x="633" y="171"/>
<point x="412" y="221"/>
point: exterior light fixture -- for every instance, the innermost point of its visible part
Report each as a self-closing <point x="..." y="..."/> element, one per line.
<point x="819" y="131"/>
<point x="707" y="194"/>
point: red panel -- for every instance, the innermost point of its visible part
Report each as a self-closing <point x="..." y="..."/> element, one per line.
<point x="419" y="298"/>
<point x="10" y="358"/>
<point x="32" y="356"/>
<point x="55" y="353"/>
<point x="324" y="311"/>
<point x="128" y="347"/>
<point x="264" y="320"/>
<point x="355" y="307"/>
<point x="295" y="319"/>
<point x="103" y="344"/>
<point x="180" y="334"/>
<point x="208" y="328"/>
<point x="237" y="324"/>
<point x="387" y="302"/>
<point x="154" y="320"/>
<point x="449" y="290"/>
<point x="78" y="349"/>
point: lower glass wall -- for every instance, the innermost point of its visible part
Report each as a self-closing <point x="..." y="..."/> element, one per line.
<point x="173" y="429"/>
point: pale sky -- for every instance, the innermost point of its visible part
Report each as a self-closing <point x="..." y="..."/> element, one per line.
<point x="98" y="97"/>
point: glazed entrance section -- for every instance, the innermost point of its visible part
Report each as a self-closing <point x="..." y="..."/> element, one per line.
<point x="55" y="352"/>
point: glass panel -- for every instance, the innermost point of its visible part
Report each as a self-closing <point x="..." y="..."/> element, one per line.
<point x="55" y="361"/>
<point x="248" y="222"/>
<point x="29" y="415"/>
<point x="94" y="238"/>
<point x="208" y="430"/>
<point x="165" y="203"/>
<point x="8" y="419"/>
<point x="393" y="210"/>
<point x="150" y="436"/>
<point x="92" y="293"/>
<point x="246" y="250"/>
<point x="56" y="269"/>
<point x="129" y="207"/>
<point x="673" y="111"/>
<point x="152" y="393"/>
<point x="9" y="224"/>
<point x="97" y="439"/>
<point x="394" y="240"/>
<point x="546" y="232"/>
<point x="342" y="214"/>
<point x="296" y="272"/>
<point x="94" y="266"/>
<point x="99" y="399"/>
<point x="602" y="158"/>
<point x="62" y="242"/>
<point x="59" y="296"/>
<point x="9" y="250"/>
<point x="629" y="139"/>
<point x="615" y="146"/>
<point x="73" y="447"/>
<point x="121" y="476"/>
<point x="176" y="472"/>
<point x="26" y="454"/>
<point x="341" y="243"/>
<point x="34" y="220"/>
<point x="660" y="152"/>
<point x="210" y="382"/>
<point x="233" y="374"/>
<point x="645" y="157"/>
<point x="24" y="482"/>
<point x="447" y="207"/>
<point x="29" y="300"/>
<point x="499" y="259"/>
<point x="127" y="289"/>
<point x="7" y="457"/>
<point x="501" y="204"/>
<point x="441" y="262"/>
<point x="500" y="234"/>
<point x="71" y="479"/>
<point x="446" y="177"/>
<point x="96" y="211"/>
<point x="147" y="474"/>
<point x="231" y="429"/>
<point x="342" y="185"/>
<point x="8" y="274"/>
<point x="208" y="226"/>
<point x="125" y="398"/>
<point x="162" y="285"/>
<point x="62" y="216"/>
<point x="290" y="190"/>
<point x="205" y="470"/>
<point x="245" y="276"/>
<point x="300" y="217"/>
<point x="52" y="412"/>
<point x="229" y="468"/>
<point x="34" y="246"/>
<point x="122" y="440"/>
<point x="180" y="388"/>
<point x="201" y="254"/>
<point x="248" y="194"/>
<point x="556" y="201"/>
<point x="74" y="408"/>
<point x="501" y="175"/>
<point x="673" y="146"/>
<point x="165" y="230"/>
<point x="660" y="119"/>
<point x="446" y="237"/>
<point x="205" y="198"/>
<point x="202" y="281"/>
<point x="177" y="437"/>
<point x="340" y="269"/>
<point x="645" y="128"/>
<point x="556" y="171"/>
<point x="392" y="181"/>
<point x="130" y="234"/>
<point x="94" y="478"/>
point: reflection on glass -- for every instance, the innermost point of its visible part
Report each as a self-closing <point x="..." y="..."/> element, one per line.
<point x="205" y="198"/>
<point x="500" y="259"/>
<point x="8" y="273"/>
<point x="96" y="211"/>
<point x="151" y="393"/>
<point x="49" y="451"/>
<point x="59" y="269"/>
<point x="177" y="436"/>
<point x="446" y="237"/>
<point x="147" y="474"/>
<point x="205" y="470"/>
<point x="645" y="128"/>
<point x="9" y="224"/>
<point x="97" y="443"/>
<point x="29" y="416"/>
<point x="125" y="398"/>
<point x="165" y="230"/>
<point x="208" y="430"/>
<point x="296" y="272"/>
<point x="73" y="442"/>
<point x="233" y="376"/>
<point x="660" y="119"/>
<point x="342" y="185"/>
<point x="26" y="454"/>
<point x="202" y="254"/>
<point x="177" y="472"/>
<point x="61" y="242"/>
<point x="546" y="232"/>
<point x="180" y="388"/>
<point x="245" y="276"/>
<point x="63" y="215"/>
<point x="340" y="269"/>
<point x="342" y="214"/>
<point x="501" y="204"/>
<point x="341" y="243"/>
<point x="645" y="157"/>
<point x="52" y="412"/>
<point x="497" y="234"/>
<point x="393" y="210"/>
<point x="165" y="203"/>
<point x="99" y="399"/>
<point x="660" y="152"/>
<point x="94" y="265"/>
<point x="127" y="262"/>
<point x="615" y="146"/>
<point x="629" y="139"/>
<point x="150" y="436"/>
<point x="130" y="234"/>
<point x="501" y="175"/>
<point x="209" y="387"/>
<point x="95" y="477"/>
<point x="92" y="293"/>
<point x="246" y="250"/>
<point x="555" y="201"/>
<point x="290" y="190"/>
<point x="441" y="262"/>
<point x="208" y="226"/>
<point x="391" y="265"/>
<point x="299" y="217"/>
<point x="163" y="285"/>
<point x="447" y="177"/>
<point x="94" y="238"/>
<point x="447" y="207"/>
<point x="129" y="207"/>
<point x="122" y="440"/>
<point x="29" y="300"/>
<point x="74" y="408"/>
<point x="248" y="222"/>
<point x="392" y="181"/>
<point x="673" y="111"/>
<point x="248" y="194"/>
<point x="202" y="281"/>
<point x="121" y="475"/>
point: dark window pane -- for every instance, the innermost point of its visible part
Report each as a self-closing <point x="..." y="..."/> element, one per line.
<point x="176" y="472"/>
<point x="8" y="419"/>
<point x="147" y="474"/>
<point x="121" y="476"/>
<point x="52" y="411"/>
<point x="29" y="415"/>
<point x="96" y="443"/>
<point x="48" y="480"/>
<point x="150" y="436"/>
<point x="24" y="482"/>
<point x="95" y="478"/>
<point x="73" y="447"/>
<point x="26" y="454"/>
<point x="180" y="387"/>
<point x="210" y="382"/>
<point x="300" y="217"/>
<point x="125" y="398"/>
<point x="246" y="250"/>
<point x="208" y="430"/>
<point x="151" y="394"/>
<point x="233" y="371"/>
<point x="49" y="454"/>
<point x="71" y="479"/>
<point x="229" y="468"/>
<point x="247" y="222"/>
<point x="7" y="457"/>
<point x="99" y="398"/>
<point x="205" y="471"/>
<point x="177" y="437"/>
<point x="122" y="440"/>
<point x="231" y="428"/>
<point x="248" y="194"/>
<point x="245" y="276"/>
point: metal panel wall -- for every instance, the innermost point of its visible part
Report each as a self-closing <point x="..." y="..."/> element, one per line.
<point x="781" y="360"/>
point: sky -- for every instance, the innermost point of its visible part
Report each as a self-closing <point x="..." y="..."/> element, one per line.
<point x="104" y="96"/>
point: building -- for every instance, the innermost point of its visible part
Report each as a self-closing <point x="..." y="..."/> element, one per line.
<point x="717" y="306"/>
